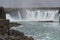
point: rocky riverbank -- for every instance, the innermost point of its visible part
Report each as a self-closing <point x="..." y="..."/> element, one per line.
<point x="14" y="35"/>
<point x="7" y="34"/>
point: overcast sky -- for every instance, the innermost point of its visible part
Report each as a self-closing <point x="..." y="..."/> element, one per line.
<point x="29" y="3"/>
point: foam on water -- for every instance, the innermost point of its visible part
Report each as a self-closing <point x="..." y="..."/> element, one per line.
<point x="41" y="30"/>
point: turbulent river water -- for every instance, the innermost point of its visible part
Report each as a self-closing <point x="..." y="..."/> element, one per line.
<point x="40" y="30"/>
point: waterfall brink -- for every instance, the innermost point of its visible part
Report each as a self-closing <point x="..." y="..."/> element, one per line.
<point x="34" y="15"/>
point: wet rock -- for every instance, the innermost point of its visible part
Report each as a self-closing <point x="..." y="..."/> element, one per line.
<point x="16" y="35"/>
<point x="2" y="13"/>
<point x="30" y="38"/>
<point x="12" y="24"/>
<point x="1" y="39"/>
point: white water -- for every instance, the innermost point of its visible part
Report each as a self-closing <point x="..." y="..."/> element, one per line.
<point x="36" y="15"/>
<point x="19" y="15"/>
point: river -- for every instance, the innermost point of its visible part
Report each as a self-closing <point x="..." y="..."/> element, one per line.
<point x="40" y="30"/>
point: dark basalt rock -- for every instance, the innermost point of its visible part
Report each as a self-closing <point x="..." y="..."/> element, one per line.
<point x="14" y="32"/>
<point x="15" y="35"/>
<point x="2" y="13"/>
<point x="30" y="38"/>
<point x="45" y="21"/>
<point x="14" y="24"/>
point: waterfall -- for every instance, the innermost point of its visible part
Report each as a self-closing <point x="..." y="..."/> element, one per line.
<point x="14" y="16"/>
<point x="34" y="15"/>
<point x="30" y="15"/>
<point x="39" y="15"/>
<point x="54" y="14"/>
<point x="42" y="15"/>
<point x="45" y="15"/>
<point x="8" y="17"/>
<point x="19" y="14"/>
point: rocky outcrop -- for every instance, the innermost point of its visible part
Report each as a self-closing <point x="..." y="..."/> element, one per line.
<point x="14" y="35"/>
<point x="2" y="13"/>
<point x="6" y="33"/>
<point x="13" y="24"/>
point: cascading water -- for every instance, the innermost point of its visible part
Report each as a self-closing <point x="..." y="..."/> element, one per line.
<point x="41" y="15"/>
<point x="30" y="15"/>
<point x="35" y="15"/>
<point x="14" y="16"/>
<point x="19" y="15"/>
